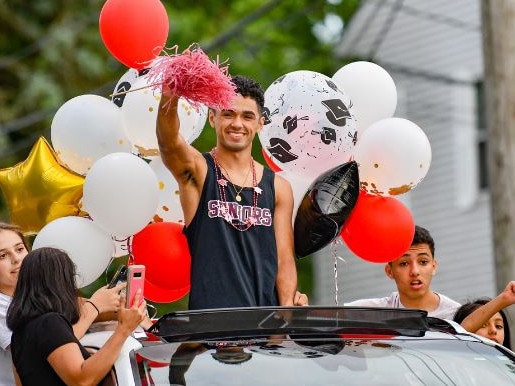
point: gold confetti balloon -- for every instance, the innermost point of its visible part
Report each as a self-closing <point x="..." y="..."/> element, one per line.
<point x="39" y="189"/>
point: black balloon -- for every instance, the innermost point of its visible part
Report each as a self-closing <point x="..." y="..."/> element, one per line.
<point x="325" y="207"/>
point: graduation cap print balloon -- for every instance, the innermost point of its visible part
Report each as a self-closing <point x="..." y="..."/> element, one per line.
<point x="309" y="124"/>
<point x="325" y="208"/>
<point x="123" y="85"/>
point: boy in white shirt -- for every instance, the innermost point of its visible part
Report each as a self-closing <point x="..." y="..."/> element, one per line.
<point x="413" y="272"/>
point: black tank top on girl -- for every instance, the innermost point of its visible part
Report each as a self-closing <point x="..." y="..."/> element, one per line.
<point x="231" y="267"/>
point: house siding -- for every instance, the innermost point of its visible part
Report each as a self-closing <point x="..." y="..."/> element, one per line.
<point x="433" y="52"/>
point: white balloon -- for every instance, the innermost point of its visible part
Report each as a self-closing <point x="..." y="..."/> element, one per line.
<point x="90" y="248"/>
<point x="169" y="208"/>
<point x="371" y="89"/>
<point x="309" y="127"/>
<point x="86" y="128"/>
<point x="121" y="194"/>
<point x="192" y="121"/>
<point x="139" y="111"/>
<point x="393" y="156"/>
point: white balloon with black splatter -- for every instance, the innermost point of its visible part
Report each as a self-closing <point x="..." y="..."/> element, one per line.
<point x="309" y="123"/>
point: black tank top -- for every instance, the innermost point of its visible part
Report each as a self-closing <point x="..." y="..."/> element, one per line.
<point x="229" y="267"/>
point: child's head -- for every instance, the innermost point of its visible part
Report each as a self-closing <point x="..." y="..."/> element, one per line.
<point x="13" y="249"/>
<point x="496" y="328"/>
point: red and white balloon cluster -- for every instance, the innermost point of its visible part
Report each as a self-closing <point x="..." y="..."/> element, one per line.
<point x="394" y="156"/>
<point x="315" y="123"/>
<point x="112" y="143"/>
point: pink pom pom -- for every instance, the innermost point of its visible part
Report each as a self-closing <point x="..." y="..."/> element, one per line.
<point x="193" y="76"/>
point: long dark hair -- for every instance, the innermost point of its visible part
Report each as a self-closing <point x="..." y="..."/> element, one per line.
<point x="46" y="283"/>
<point x="467" y="308"/>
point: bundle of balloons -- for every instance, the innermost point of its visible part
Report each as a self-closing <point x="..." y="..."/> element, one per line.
<point x="347" y="158"/>
<point x="99" y="189"/>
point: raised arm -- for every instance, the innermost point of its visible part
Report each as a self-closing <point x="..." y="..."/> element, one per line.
<point x="286" y="283"/>
<point x="67" y="360"/>
<point x="481" y="315"/>
<point x="186" y="163"/>
<point x="175" y="151"/>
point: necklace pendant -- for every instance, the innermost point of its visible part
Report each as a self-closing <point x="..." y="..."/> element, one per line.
<point x="238" y="197"/>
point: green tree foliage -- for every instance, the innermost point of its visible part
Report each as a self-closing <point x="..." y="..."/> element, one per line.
<point x="52" y="51"/>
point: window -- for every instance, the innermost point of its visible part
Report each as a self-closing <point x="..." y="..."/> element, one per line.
<point x="470" y="140"/>
<point x="481" y="137"/>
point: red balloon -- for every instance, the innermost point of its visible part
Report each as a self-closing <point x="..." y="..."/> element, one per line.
<point x="269" y="161"/>
<point x="163" y="249"/>
<point x="380" y="229"/>
<point x="134" y="31"/>
<point x="158" y="294"/>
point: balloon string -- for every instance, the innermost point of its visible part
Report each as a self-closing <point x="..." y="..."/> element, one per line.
<point x="336" y="257"/>
<point x="112" y="257"/>
<point x="123" y="247"/>
<point x="192" y="47"/>
<point x="335" y="279"/>
<point x="130" y="260"/>
<point x="107" y="269"/>
<point x="135" y="89"/>
<point x="111" y="260"/>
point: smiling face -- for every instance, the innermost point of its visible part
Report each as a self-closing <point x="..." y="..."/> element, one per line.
<point x="12" y="252"/>
<point x="237" y="126"/>
<point x="493" y="329"/>
<point x="413" y="273"/>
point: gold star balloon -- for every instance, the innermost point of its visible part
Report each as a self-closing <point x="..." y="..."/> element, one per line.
<point x="39" y="189"/>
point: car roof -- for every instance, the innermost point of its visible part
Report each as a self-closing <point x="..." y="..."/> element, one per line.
<point x="311" y="320"/>
<point x="315" y="345"/>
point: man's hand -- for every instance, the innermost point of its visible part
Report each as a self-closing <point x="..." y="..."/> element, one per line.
<point x="301" y="299"/>
<point x="165" y="88"/>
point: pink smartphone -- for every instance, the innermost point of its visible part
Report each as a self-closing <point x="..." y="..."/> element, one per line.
<point x="135" y="281"/>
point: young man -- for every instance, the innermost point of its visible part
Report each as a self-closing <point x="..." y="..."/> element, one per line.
<point x="413" y="272"/>
<point x="237" y="213"/>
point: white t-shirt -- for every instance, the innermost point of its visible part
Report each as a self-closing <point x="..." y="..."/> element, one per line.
<point x="445" y="310"/>
<point x="6" y="370"/>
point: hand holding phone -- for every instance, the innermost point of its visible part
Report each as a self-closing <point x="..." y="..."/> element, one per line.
<point x="135" y="281"/>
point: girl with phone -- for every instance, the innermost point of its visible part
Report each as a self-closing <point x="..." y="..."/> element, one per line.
<point x="13" y="249"/>
<point x="55" y="355"/>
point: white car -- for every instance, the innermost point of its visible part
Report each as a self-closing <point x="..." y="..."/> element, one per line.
<point x="309" y="346"/>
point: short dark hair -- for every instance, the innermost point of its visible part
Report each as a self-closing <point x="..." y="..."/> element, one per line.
<point x="14" y="228"/>
<point x="248" y="87"/>
<point x="467" y="308"/>
<point x="46" y="283"/>
<point x="422" y="236"/>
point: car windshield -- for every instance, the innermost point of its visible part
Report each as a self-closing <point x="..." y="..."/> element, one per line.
<point x="325" y="361"/>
